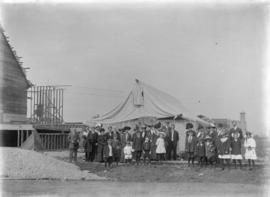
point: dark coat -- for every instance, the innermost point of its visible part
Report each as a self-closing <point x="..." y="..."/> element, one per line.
<point x="106" y="152"/>
<point x="153" y="145"/>
<point x="73" y="139"/>
<point x="125" y="137"/>
<point x="191" y="146"/>
<point x="200" y="150"/>
<point x="116" y="145"/>
<point x="236" y="147"/>
<point x="137" y="143"/>
<point x="147" y="146"/>
<point x="102" y="142"/>
<point x="223" y="148"/>
<point x="210" y="150"/>
<point x="90" y="141"/>
<point x="175" y="137"/>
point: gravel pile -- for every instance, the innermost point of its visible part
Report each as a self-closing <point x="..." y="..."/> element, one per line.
<point x="26" y="164"/>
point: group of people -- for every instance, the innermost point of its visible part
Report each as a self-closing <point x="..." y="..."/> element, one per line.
<point x="156" y="142"/>
<point x="210" y="146"/>
<point x="220" y="146"/>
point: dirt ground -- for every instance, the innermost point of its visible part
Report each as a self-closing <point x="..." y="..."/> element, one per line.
<point x="126" y="189"/>
<point x="166" y="179"/>
<point x="177" y="172"/>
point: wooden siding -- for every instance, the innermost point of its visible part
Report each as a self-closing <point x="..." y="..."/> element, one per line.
<point x="13" y="83"/>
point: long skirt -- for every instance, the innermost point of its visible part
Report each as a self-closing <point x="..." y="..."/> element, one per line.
<point x="153" y="152"/>
<point x="100" y="150"/>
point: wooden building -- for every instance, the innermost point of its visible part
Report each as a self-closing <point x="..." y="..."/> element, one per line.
<point x="14" y="127"/>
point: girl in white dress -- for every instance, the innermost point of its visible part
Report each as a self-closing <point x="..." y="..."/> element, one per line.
<point x="250" y="146"/>
<point x="160" y="151"/>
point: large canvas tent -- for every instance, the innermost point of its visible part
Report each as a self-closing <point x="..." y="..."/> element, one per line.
<point x="144" y="102"/>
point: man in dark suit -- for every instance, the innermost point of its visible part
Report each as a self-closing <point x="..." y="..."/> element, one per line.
<point x="173" y="139"/>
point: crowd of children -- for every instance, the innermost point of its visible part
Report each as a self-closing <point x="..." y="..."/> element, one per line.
<point x="209" y="146"/>
<point x="220" y="146"/>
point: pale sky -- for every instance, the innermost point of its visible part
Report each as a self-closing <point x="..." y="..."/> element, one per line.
<point x="209" y="56"/>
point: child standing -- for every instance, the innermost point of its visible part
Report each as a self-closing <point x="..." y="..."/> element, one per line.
<point x="108" y="154"/>
<point x="236" y="149"/>
<point x="160" y="151"/>
<point x="128" y="152"/>
<point x="191" y="143"/>
<point x="250" y="153"/>
<point x="200" y="152"/>
<point x="146" y="150"/>
<point x="223" y="147"/>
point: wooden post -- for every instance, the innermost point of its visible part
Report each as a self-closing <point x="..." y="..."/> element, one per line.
<point x="21" y="134"/>
<point x="62" y="109"/>
<point x="18" y="138"/>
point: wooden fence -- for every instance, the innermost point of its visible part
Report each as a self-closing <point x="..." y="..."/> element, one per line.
<point x="54" y="141"/>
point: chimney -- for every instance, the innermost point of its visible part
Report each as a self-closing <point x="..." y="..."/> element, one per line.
<point x="243" y="123"/>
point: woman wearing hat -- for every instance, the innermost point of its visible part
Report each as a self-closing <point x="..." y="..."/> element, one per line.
<point x="223" y="148"/>
<point x="102" y="142"/>
<point x="191" y="142"/>
<point x="250" y="146"/>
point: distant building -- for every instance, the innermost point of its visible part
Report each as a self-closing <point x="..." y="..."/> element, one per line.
<point x="227" y="123"/>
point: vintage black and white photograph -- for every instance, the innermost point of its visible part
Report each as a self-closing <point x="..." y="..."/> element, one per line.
<point x="134" y="98"/>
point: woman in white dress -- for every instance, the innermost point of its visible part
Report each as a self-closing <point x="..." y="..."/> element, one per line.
<point x="160" y="151"/>
<point x="250" y="146"/>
